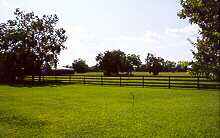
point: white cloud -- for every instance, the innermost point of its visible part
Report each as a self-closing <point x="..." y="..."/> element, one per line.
<point x="74" y="33"/>
<point x="93" y="39"/>
<point x="171" y="45"/>
<point x="169" y="31"/>
<point x="5" y="3"/>
<point x="188" y="31"/>
<point x="152" y="35"/>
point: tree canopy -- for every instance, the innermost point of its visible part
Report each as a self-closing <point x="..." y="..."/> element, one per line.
<point x="204" y="13"/>
<point x="111" y="62"/>
<point x="154" y="64"/>
<point x="130" y="62"/>
<point x="29" y="42"/>
<point x="80" y="66"/>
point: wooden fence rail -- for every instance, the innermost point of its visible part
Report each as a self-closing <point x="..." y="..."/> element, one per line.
<point x="142" y="81"/>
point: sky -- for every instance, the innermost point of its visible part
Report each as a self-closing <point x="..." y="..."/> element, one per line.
<point x="95" y="26"/>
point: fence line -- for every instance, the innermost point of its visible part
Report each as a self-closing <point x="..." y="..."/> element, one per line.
<point x="144" y="81"/>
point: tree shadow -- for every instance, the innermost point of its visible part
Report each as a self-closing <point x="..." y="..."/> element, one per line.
<point x="35" y="84"/>
<point x="120" y="75"/>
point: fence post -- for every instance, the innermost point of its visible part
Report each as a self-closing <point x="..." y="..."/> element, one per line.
<point x="70" y="79"/>
<point x="120" y="81"/>
<point x="169" y="82"/>
<point x="32" y="79"/>
<point x="84" y="80"/>
<point x="198" y="83"/>
<point x="101" y="81"/>
<point x="143" y="82"/>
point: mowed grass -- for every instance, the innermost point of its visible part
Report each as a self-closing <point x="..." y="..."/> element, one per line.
<point x="139" y="73"/>
<point x="101" y="111"/>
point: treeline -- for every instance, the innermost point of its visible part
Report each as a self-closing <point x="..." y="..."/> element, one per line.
<point x="206" y="53"/>
<point x="113" y="62"/>
<point x="29" y="44"/>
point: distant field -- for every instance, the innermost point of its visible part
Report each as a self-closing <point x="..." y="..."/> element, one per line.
<point x="101" y="111"/>
<point x="140" y="73"/>
<point x="138" y="79"/>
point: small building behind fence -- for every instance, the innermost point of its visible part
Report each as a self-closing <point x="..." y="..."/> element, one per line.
<point x="59" y="71"/>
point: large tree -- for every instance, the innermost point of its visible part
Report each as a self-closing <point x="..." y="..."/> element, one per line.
<point x="154" y="64"/>
<point x="168" y="66"/>
<point x="182" y="66"/>
<point x="111" y="62"/>
<point x="27" y="43"/>
<point x="204" y="13"/>
<point x="80" y="66"/>
<point x="130" y="62"/>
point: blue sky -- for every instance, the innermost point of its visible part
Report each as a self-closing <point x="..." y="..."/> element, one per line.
<point x="133" y="26"/>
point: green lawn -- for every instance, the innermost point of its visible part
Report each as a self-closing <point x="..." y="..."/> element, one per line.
<point x="101" y="111"/>
<point x="179" y="81"/>
<point x="140" y="73"/>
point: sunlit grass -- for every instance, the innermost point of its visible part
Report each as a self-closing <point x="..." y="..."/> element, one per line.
<point x="96" y="111"/>
<point x="141" y="81"/>
<point x="139" y="73"/>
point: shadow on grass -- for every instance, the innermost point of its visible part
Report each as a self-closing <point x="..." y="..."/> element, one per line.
<point x="29" y="84"/>
<point x="22" y="121"/>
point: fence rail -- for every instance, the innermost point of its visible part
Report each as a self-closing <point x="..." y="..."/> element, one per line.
<point x="142" y="81"/>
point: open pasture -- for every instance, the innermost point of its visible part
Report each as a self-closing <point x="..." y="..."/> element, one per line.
<point x="95" y="111"/>
<point x="139" y="73"/>
<point x="138" y="81"/>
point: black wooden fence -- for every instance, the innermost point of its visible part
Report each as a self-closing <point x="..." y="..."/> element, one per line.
<point x="140" y="81"/>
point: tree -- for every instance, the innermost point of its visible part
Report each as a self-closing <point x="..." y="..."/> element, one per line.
<point x="168" y="66"/>
<point x="130" y="62"/>
<point x="28" y="42"/>
<point x="182" y="66"/>
<point x="154" y="64"/>
<point x="94" y="68"/>
<point x="195" y="69"/>
<point x="80" y="66"/>
<point x="205" y="13"/>
<point x="143" y="68"/>
<point x="111" y="62"/>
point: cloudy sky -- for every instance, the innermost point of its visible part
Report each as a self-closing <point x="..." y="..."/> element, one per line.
<point x="133" y="26"/>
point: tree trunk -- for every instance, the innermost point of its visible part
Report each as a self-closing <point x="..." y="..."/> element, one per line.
<point x="39" y="79"/>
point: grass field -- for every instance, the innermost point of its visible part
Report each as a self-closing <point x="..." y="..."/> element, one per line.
<point x="140" y="73"/>
<point x="139" y="79"/>
<point x="96" y="111"/>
